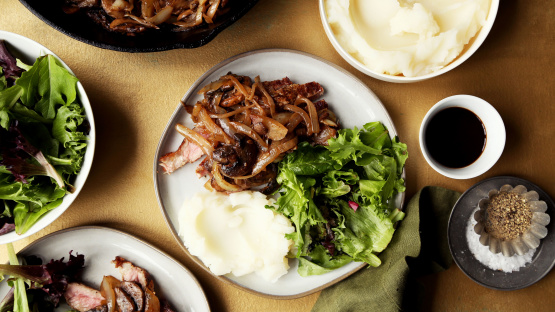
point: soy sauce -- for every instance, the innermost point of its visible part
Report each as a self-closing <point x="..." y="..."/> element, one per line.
<point x="455" y="137"/>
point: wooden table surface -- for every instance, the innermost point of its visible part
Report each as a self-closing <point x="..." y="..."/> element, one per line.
<point x="134" y="95"/>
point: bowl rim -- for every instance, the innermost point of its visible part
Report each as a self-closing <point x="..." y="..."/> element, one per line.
<point x="176" y="45"/>
<point x="9" y="38"/>
<point x="494" y="146"/>
<point x="472" y="48"/>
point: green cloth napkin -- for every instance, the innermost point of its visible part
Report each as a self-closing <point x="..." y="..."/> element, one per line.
<point x="419" y="247"/>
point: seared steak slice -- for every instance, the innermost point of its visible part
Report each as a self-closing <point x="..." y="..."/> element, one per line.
<point x="81" y="297"/>
<point x="272" y="86"/>
<point x="289" y="93"/>
<point x="135" y="292"/>
<point x="132" y="273"/>
<point x="124" y="301"/>
<point x="186" y="153"/>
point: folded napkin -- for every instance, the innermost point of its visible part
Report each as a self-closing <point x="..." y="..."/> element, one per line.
<point x="419" y="247"/>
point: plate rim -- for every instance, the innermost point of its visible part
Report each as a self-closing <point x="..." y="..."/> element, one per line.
<point x="392" y="130"/>
<point x="456" y="259"/>
<point x="120" y="232"/>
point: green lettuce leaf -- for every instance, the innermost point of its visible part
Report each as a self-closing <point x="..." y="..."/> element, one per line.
<point x="47" y="85"/>
<point x="43" y="102"/>
<point x="340" y="197"/>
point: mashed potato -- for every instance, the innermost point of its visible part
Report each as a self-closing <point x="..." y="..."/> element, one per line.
<point x="408" y="37"/>
<point x="236" y="234"/>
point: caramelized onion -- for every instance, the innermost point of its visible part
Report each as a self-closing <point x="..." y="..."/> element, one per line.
<point x="306" y="118"/>
<point x="270" y="100"/>
<point x="107" y="291"/>
<point x="161" y="16"/>
<point x="141" y="21"/>
<point x="121" y="21"/>
<point x="277" y="148"/>
<point x="283" y="117"/>
<point x="213" y="86"/>
<point x="313" y="113"/>
<point x="211" y="126"/>
<point x="147" y="8"/>
<point x="276" y="131"/>
<point x="196" y="138"/>
<point x="211" y="12"/>
<point x="220" y="180"/>
<point x="238" y="85"/>
<point x="248" y="131"/>
<point x="232" y="113"/>
<point x="293" y="122"/>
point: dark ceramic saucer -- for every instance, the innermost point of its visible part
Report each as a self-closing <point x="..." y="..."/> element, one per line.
<point x="542" y="261"/>
<point x="83" y="29"/>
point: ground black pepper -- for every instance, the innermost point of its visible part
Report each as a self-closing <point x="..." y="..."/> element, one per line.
<point x="508" y="216"/>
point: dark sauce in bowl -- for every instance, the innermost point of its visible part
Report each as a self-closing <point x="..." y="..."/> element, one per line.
<point x="455" y="137"/>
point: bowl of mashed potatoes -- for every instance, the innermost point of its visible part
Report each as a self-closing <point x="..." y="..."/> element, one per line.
<point x="407" y="40"/>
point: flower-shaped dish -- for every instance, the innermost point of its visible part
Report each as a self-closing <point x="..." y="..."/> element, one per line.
<point x="533" y="225"/>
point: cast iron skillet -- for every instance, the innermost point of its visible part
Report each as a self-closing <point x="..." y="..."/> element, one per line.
<point x="83" y="29"/>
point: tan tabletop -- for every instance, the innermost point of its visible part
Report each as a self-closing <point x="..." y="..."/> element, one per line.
<point x="134" y="95"/>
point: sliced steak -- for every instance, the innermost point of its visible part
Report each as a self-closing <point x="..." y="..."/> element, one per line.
<point x="124" y="301"/>
<point x="186" y="153"/>
<point x="82" y="297"/>
<point x="135" y="292"/>
<point x="132" y="273"/>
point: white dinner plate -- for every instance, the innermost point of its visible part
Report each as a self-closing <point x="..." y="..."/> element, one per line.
<point x="101" y="245"/>
<point x="350" y="99"/>
<point x="28" y="51"/>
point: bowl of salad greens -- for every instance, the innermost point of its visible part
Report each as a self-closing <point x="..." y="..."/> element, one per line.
<point x="47" y="137"/>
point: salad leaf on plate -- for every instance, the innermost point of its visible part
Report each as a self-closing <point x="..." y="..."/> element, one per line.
<point x="341" y="197"/>
<point x="36" y="285"/>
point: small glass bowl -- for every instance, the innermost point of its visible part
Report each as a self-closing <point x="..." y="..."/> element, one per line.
<point x="531" y="237"/>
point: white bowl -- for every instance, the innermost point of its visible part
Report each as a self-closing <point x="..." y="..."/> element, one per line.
<point x="469" y="49"/>
<point x="495" y="136"/>
<point x="28" y="51"/>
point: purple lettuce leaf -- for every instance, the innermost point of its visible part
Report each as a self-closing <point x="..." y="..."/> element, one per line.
<point x="16" y="150"/>
<point x="52" y="277"/>
<point x="9" y="64"/>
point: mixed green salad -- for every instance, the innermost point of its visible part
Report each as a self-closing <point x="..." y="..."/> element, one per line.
<point x="43" y="138"/>
<point x="37" y="286"/>
<point x="340" y="197"/>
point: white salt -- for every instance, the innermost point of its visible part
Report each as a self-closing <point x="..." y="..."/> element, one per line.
<point x="489" y="259"/>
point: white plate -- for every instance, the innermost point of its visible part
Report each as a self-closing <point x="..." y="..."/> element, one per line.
<point x="101" y="245"/>
<point x="28" y="51"/>
<point x="349" y="98"/>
